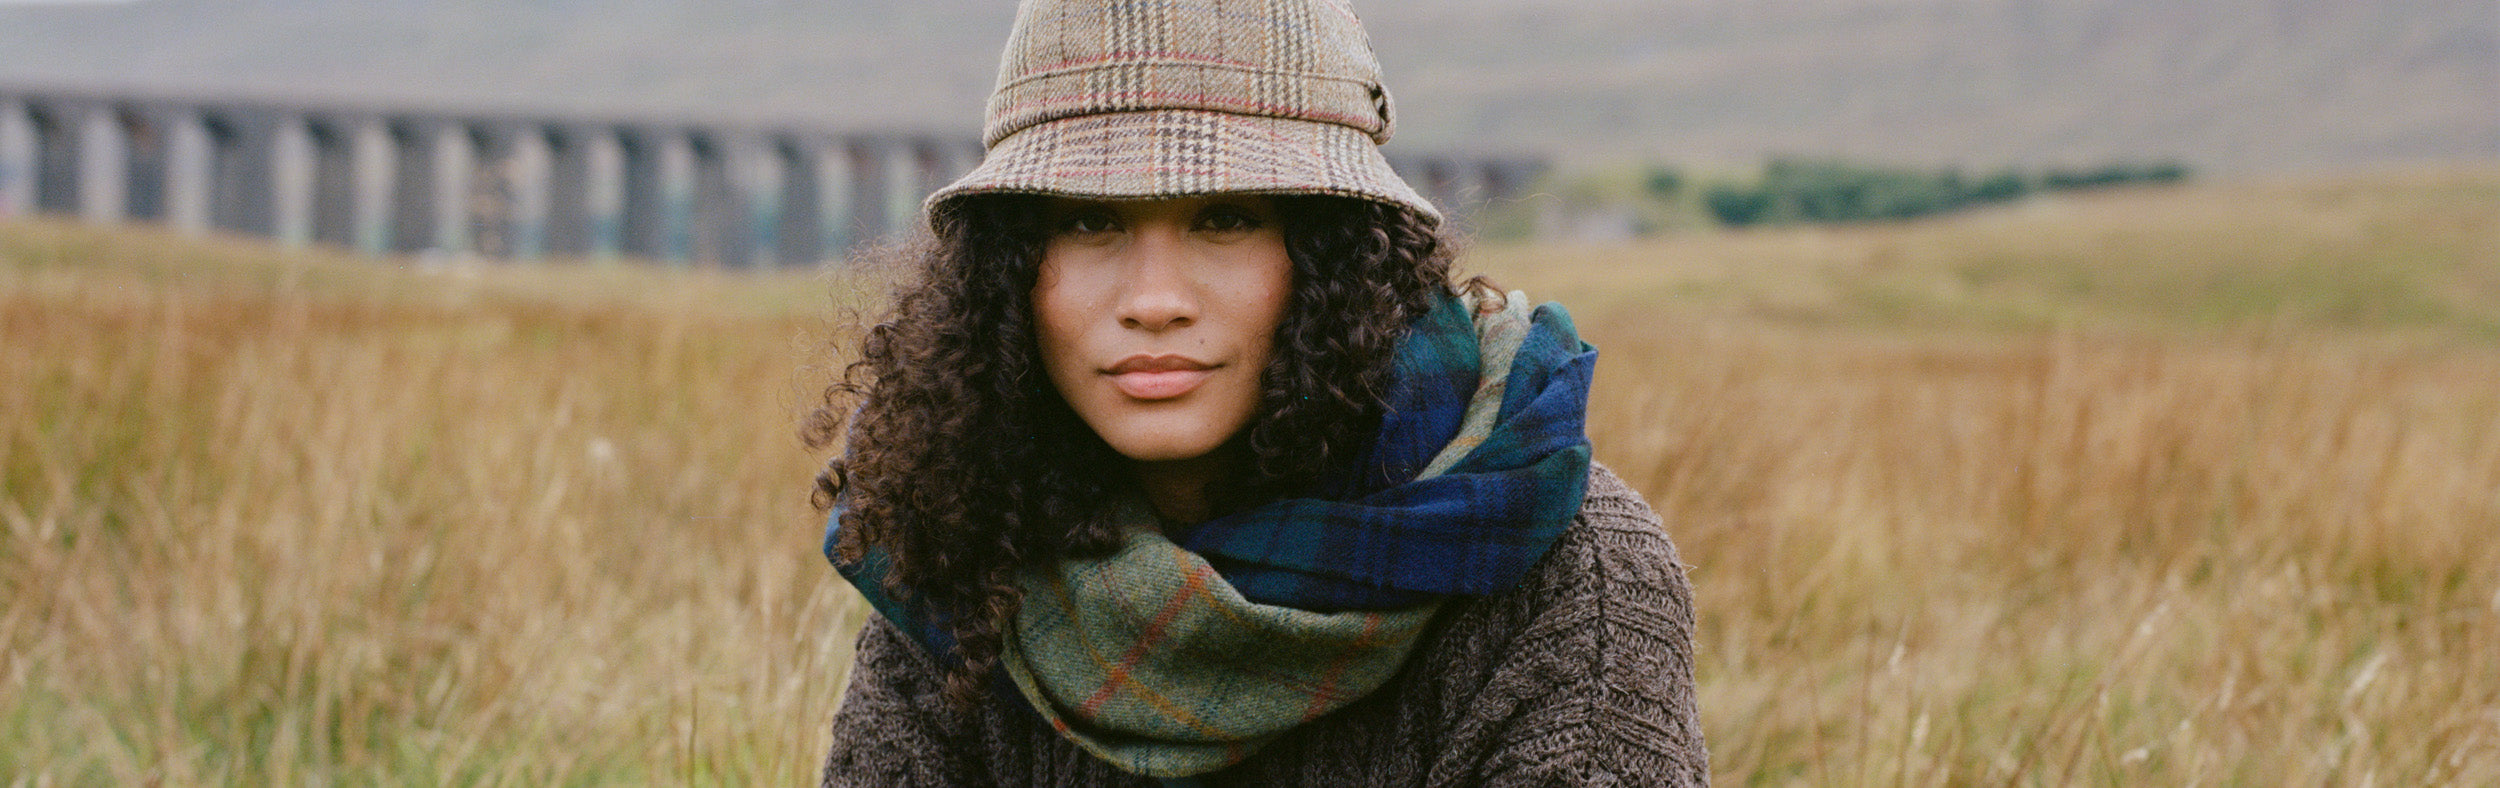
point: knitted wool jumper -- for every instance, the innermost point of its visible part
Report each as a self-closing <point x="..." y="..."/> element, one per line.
<point x="1582" y="675"/>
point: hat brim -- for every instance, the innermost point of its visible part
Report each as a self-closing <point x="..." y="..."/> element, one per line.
<point x="1181" y="152"/>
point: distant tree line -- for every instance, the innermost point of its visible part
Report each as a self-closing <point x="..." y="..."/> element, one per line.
<point x="1818" y="190"/>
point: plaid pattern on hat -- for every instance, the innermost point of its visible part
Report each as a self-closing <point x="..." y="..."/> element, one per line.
<point x="1125" y="99"/>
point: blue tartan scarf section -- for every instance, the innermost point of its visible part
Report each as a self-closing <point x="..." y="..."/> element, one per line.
<point x="1397" y="536"/>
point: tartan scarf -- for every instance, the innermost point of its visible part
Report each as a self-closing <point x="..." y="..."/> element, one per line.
<point x="1171" y="659"/>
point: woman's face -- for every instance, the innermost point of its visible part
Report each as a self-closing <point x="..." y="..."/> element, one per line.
<point x="1156" y="316"/>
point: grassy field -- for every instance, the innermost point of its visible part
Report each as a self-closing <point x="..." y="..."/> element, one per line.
<point x="2158" y="487"/>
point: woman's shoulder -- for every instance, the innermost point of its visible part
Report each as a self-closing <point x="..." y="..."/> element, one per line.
<point x="1581" y="674"/>
<point x="1616" y="555"/>
<point x="1612" y="511"/>
<point x="1588" y="662"/>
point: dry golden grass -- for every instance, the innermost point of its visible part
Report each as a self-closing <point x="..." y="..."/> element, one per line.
<point x="2126" y="490"/>
<point x="302" y="521"/>
<point x="2065" y="559"/>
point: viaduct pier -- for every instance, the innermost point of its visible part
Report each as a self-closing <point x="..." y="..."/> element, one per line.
<point x="514" y="186"/>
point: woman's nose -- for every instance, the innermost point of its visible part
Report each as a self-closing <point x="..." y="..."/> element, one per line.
<point x="1159" y="295"/>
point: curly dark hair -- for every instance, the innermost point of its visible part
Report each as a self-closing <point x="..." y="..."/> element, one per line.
<point x="932" y="469"/>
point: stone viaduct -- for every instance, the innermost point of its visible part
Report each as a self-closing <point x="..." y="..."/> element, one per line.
<point x="512" y="186"/>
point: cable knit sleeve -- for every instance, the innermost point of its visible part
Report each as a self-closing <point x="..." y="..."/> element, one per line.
<point x="895" y="727"/>
<point x="1583" y="676"/>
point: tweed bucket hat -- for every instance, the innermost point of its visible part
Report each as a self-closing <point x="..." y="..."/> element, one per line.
<point x="1136" y="99"/>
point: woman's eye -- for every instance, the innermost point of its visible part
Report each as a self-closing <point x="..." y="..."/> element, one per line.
<point x="1228" y="220"/>
<point x="1087" y="224"/>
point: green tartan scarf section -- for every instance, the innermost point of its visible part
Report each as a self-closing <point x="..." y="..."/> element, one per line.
<point x="1150" y="660"/>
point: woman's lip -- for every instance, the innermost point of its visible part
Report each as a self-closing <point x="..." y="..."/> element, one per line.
<point x="1159" y="384"/>
<point x="1147" y="362"/>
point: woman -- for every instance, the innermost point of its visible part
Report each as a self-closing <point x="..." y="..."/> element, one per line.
<point x="1183" y="460"/>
